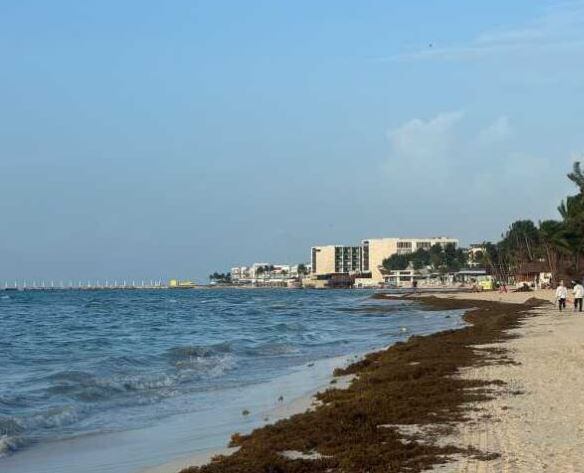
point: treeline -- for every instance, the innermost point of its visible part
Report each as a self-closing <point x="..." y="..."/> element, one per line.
<point x="224" y="278"/>
<point x="444" y="259"/>
<point x="556" y="245"/>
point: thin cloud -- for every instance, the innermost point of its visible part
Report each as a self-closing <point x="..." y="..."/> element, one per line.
<point x="560" y="27"/>
<point x="419" y="139"/>
<point x="448" y="162"/>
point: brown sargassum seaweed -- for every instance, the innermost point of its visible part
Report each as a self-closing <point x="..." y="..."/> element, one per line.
<point x="411" y="383"/>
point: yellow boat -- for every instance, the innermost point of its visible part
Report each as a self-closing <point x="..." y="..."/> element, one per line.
<point x="176" y="284"/>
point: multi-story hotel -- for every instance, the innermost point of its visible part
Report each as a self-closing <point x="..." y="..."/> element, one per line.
<point x="335" y="259"/>
<point x="368" y="258"/>
<point x="375" y="250"/>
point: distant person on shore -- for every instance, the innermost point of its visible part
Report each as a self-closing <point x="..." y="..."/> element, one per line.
<point x="561" y="295"/>
<point x="578" y="292"/>
<point x="503" y="288"/>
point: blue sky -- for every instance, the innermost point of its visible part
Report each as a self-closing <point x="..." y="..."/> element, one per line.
<point x="144" y="139"/>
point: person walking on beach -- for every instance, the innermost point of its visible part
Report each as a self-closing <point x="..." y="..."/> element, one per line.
<point x="578" y="292"/>
<point x="561" y="295"/>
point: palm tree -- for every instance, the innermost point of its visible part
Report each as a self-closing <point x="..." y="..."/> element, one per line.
<point x="553" y="238"/>
<point x="572" y="212"/>
<point x="577" y="177"/>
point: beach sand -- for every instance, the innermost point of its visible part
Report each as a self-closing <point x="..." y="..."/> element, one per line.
<point x="372" y="425"/>
<point x="532" y="419"/>
<point x="535" y="423"/>
<point x="495" y="296"/>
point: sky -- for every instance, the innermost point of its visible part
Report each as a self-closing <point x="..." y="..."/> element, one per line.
<point x="147" y="140"/>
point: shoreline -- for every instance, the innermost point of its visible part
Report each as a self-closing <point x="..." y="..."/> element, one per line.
<point x="403" y="401"/>
<point x="534" y="417"/>
<point x="209" y="421"/>
<point x="297" y="405"/>
<point x="172" y="444"/>
<point x="395" y="399"/>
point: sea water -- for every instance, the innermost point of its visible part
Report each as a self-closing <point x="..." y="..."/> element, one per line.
<point x="80" y="364"/>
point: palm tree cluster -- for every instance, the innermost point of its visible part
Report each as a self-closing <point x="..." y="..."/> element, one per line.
<point x="223" y="278"/>
<point x="558" y="245"/>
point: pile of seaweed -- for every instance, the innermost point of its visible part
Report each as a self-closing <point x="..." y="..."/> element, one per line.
<point x="412" y="383"/>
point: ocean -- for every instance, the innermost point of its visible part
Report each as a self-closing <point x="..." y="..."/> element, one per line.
<point x="80" y="366"/>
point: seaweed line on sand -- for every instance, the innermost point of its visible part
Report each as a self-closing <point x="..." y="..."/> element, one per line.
<point x="412" y="383"/>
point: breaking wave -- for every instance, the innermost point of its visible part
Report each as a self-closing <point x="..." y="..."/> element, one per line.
<point x="95" y="362"/>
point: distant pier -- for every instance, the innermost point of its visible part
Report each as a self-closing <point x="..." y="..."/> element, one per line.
<point x="97" y="285"/>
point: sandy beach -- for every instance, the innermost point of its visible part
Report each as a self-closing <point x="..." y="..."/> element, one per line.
<point x="535" y="423"/>
<point x="501" y="393"/>
<point x="373" y="424"/>
<point x="518" y="408"/>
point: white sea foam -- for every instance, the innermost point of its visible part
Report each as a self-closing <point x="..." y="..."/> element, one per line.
<point x="10" y="444"/>
<point x="109" y="361"/>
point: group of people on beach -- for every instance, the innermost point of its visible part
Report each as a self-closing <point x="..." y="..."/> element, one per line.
<point x="562" y="295"/>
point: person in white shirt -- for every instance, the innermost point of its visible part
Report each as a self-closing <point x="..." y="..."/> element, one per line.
<point x="561" y="295"/>
<point x="578" y="292"/>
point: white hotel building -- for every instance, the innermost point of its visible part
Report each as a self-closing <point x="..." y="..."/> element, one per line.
<point x="368" y="258"/>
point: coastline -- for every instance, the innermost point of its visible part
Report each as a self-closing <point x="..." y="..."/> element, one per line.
<point x="295" y="406"/>
<point x="533" y="421"/>
<point x="404" y="401"/>
<point x="185" y="439"/>
<point x="353" y="323"/>
<point x="337" y="380"/>
<point x="416" y="405"/>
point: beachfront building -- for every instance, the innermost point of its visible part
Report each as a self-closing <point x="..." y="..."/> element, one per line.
<point x="329" y="281"/>
<point x="335" y="259"/>
<point x="422" y="277"/>
<point x="475" y="253"/>
<point x="535" y="274"/>
<point x="367" y="259"/>
<point x="240" y="273"/>
<point x="375" y="250"/>
<point x="364" y="281"/>
<point x="268" y="274"/>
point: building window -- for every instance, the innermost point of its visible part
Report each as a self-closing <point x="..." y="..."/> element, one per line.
<point x="313" y="262"/>
<point x="365" y="264"/>
<point x="403" y="245"/>
<point x="425" y="245"/>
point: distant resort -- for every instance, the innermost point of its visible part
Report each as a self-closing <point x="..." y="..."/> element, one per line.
<point x="528" y="256"/>
<point x="376" y="263"/>
<point x="380" y="263"/>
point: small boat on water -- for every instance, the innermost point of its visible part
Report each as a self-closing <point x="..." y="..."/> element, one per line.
<point x="176" y="284"/>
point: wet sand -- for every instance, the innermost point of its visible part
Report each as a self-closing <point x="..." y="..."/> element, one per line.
<point x="502" y="394"/>
<point x="295" y="406"/>
<point x="179" y="441"/>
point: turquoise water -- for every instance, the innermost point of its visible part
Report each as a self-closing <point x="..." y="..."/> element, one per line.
<point x="75" y="362"/>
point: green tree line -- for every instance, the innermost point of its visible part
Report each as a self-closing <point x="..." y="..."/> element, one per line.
<point x="445" y="258"/>
<point x="220" y="277"/>
<point x="558" y="244"/>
